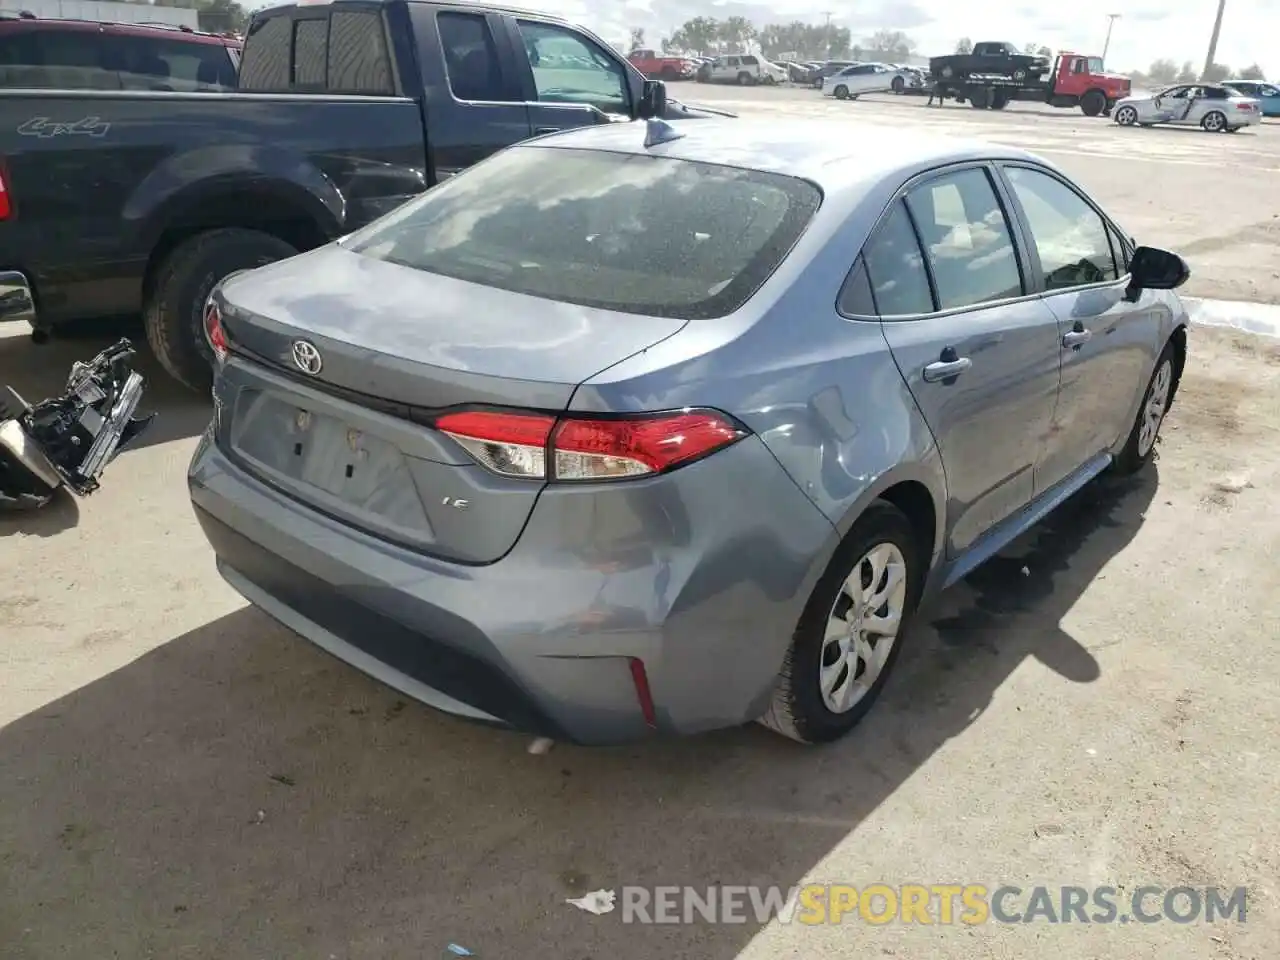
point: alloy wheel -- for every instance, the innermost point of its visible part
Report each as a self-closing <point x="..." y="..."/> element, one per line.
<point x="1154" y="407"/>
<point x="862" y="627"/>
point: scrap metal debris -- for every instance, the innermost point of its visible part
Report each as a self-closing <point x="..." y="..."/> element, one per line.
<point x="69" y="440"/>
<point x="597" y="901"/>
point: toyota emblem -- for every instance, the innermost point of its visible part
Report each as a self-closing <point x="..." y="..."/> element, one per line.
<point x="306" y="357"/>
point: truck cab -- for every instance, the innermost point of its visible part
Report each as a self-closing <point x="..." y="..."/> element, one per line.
<point x="1081" y="80"/>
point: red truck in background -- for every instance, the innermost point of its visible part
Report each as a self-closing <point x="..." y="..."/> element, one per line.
<point x="657" y="67"/>
<point x="1075" y="80"/>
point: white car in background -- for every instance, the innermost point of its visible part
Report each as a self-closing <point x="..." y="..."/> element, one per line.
<point x="1211" y="106"/>
<point x="746" y="70"/>
<point x="851" y="82"/>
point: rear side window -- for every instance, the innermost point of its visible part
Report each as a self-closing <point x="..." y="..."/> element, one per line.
<point x="966" y="239"/>
<point x="470" y="57"/>
<point x="895" y="266"/>
<point x="631" y="233"/>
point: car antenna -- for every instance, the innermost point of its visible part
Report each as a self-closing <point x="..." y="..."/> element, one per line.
<point x="657" y="130"/>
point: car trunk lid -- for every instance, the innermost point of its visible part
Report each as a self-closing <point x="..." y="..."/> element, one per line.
<point x="351" y="434"/>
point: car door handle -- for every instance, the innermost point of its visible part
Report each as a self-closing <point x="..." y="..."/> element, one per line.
<point x="1076" y="337"/>
<point x="946" y="369"/>
<point x="541" y="130"/>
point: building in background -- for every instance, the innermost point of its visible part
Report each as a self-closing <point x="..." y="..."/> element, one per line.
<point x="102" y="10"/>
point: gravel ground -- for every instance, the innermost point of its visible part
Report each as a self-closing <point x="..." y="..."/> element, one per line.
<point x="182" y="778"/>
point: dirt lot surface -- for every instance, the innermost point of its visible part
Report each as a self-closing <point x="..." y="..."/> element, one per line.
<point x="182" y="778"/>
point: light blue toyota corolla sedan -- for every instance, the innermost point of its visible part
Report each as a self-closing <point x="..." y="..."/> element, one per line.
<point x="628" y="430"/>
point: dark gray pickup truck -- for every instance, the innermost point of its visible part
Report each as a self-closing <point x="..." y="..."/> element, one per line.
<point x="115" y="202"/>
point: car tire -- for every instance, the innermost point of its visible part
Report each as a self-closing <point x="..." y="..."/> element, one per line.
<point x="898" y="85"/>
<point x="800" y="709"/>
<point x="1214" y="122"/>
<point x="744" y="79"/>
<point x="1156" y="401"/>
<point x="842" y="92"/>
<point x="1127" y="116"/>
<point x="174" y="311"/>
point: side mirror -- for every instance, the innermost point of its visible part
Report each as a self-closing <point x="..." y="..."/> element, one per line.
<point x="1151" y="268"/>
<point x="653" y="100"/>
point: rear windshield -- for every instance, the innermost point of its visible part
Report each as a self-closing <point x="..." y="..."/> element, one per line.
<point x="626" y="232"/>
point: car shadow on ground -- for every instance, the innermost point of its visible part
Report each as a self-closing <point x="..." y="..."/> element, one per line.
<point x="39" y="371"/>
<point x="237" y="793"/>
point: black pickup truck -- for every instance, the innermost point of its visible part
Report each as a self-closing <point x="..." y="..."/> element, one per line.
<point x="989" y="58"/>
<point x="115" y="202"/>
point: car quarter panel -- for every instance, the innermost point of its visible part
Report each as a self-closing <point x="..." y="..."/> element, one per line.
<point x="821" y="391"/>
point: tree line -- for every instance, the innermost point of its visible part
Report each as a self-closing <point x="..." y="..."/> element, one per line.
<point x="804" y="41"/>
<point x="215" y="16"/>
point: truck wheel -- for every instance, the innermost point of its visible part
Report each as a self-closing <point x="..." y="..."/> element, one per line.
<point x="174" y="312"/>
<point x="842" y="92"/>
<point x="667" y="73"/>
<point x="1093" y="103"/>
<point x="1214" y="122"/>
<point x="980" y="99"/>
<point x="744" y="79"/>
<point x="898" y="85"/>
<point x="999" y="100"/>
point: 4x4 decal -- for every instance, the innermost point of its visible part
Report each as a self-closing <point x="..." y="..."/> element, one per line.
<point x="44" y="128"/>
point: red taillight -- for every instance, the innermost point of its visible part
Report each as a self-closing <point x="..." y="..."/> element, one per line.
<point x="213" y="331"/>
<point x="6" y="205"/>
<point x="1244" y="106"/>
<point x="539" y="447"/>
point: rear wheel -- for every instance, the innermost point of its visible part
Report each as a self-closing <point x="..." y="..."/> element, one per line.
<point x="1093" y="103"/>
<point x="174" y="311"/>
<point x="980" y="99"/>
<point x="999" y="100"/>
<point x="667" y="73"/>
<point x="849" y="634"/>
<point x="1126" y="116"/>
<point x="1214" y="122"/>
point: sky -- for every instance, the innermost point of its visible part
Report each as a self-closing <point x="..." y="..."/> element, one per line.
<point x="1146" y="30"/>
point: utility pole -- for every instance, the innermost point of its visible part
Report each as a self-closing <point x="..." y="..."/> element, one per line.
<point x="1213" y="40"/>
<point x="1111" y="22"/>
<point x="826" y="30"/>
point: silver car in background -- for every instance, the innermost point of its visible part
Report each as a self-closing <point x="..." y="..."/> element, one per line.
<point x="1213" y="107"/>
<point x="619" y="432"/>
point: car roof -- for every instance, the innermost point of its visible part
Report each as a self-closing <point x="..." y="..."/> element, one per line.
<point x="185" y="34"/>
<point x="839" y="158"/>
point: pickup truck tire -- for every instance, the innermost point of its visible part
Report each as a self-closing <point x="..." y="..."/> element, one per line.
<point x="1093" y="103"/>
<point x="667" y="73"/>
<point x="745" y="79"/>
<point x="174" y="311"/>
<point x="980" y="98"/>
<point x="999" y="99"/>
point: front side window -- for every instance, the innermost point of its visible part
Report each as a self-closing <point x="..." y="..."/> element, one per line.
<point x="1070" y="237"/>
<point x="625" y="232"/>
<point x="750" y="61"/>
<point x="470" y="57"/>
<point x="895" y="267"/>
<point x="966" y="239"/>
<point x="569" y="69"/>
<point x="1265" y="91"/>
